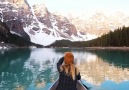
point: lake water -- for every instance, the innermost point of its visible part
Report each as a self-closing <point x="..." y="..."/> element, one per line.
<point x="35" y="69"/>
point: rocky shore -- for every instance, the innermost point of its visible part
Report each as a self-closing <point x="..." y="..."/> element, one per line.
<point x="7" y="46"/>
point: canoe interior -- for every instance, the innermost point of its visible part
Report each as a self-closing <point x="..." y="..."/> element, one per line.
<point x="79" y="86"/>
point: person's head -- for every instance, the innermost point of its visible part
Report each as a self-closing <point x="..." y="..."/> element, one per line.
<point x="68" y="58"/>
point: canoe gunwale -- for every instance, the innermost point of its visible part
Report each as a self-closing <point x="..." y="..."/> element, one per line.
<point x="80" y="86"/>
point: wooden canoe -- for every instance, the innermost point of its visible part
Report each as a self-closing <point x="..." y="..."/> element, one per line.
<point x="79" y="86"/>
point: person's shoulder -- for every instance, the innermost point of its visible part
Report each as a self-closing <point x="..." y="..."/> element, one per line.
<point x="77" y="70"/>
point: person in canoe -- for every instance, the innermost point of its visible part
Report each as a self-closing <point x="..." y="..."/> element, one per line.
<point x="68" y="73"/>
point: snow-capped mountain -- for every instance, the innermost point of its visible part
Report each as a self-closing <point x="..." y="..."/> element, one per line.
<point x="37" y="24"/>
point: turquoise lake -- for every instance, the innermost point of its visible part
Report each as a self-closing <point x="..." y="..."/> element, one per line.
<point x="35" y="69"/>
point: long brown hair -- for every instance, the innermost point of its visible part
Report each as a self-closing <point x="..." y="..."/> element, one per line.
<point x="70" y="70"/>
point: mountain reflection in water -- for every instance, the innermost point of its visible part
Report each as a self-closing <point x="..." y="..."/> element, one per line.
<point x="98" y="71"/>
<point x="35" y="69"/>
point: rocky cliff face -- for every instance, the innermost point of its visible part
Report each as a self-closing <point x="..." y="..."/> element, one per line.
<point x="18" y="3"/>
<point x="12" y="40"/>
<point x="36" y="23"/>
<point x="13" y="14"/>
<point x="4" y="32"/>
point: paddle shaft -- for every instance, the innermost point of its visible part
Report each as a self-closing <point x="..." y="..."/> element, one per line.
<point x="84" y="85"/>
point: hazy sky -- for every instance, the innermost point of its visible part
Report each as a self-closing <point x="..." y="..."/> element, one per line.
<point x="85" y="6"/>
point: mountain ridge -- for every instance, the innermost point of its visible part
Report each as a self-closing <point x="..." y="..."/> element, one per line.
<point x="99" y="23"/>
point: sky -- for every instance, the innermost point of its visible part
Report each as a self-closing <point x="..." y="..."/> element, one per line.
<point x="84" y="6"/>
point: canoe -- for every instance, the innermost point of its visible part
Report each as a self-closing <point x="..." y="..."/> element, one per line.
<point x="79" y="86"/>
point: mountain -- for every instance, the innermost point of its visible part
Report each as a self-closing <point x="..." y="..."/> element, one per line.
<point x="37" y="24"/>
<point x="99" y="23"/>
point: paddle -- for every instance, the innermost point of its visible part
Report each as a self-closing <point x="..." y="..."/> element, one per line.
<point x="85" y="85"/>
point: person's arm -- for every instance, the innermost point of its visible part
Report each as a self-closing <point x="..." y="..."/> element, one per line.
<point x="59" y="63"/>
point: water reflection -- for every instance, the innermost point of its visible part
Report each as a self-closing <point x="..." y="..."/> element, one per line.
<point x="98" y="71"/>
<point x="35" y="69"/>
<point x="118" y="58"/>
<point x="12" y="73"/>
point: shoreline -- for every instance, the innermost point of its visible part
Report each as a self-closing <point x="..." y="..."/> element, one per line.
<point x="107" y="48"/>
<point x="97" y="48"/>
<point x="124" y="48"/>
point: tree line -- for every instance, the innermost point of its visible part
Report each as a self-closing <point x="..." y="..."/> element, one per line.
<point x="118" y="37"/>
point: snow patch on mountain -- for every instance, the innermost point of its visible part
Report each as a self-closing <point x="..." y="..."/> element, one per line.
<point x="40" y="37"/>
